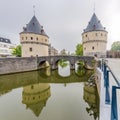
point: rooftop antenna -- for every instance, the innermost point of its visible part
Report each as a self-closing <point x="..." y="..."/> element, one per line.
<point x="34" y="9"/>
<point x="94" y="7"/>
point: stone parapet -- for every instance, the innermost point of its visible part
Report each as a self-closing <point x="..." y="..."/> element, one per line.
<point x="14" y="65"/>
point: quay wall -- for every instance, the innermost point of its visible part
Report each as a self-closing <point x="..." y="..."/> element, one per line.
<point x="14" y="65"/>
<point x="99" y="78"/>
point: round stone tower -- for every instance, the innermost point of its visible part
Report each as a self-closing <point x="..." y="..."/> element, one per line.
<point x="34" y="40"/>
<point x="94" y="38"/>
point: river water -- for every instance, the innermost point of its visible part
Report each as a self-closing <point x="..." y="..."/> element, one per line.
<point x="46" y="95"/>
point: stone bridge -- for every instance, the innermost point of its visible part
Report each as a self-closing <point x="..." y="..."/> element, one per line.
<point x="53" y="60"/>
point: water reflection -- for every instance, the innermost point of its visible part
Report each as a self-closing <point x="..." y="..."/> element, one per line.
<point x="80" y="70"/>
<point x="64" y="68"/>
<point x="35" y="97"/>
<point x="38" y="86"/>
<point x="92" y="98"/>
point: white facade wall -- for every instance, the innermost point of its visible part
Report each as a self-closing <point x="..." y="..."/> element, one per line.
<point x="6" y="49"/>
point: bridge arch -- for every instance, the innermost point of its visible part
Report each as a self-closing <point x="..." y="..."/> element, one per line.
<point x="72" y="59"/>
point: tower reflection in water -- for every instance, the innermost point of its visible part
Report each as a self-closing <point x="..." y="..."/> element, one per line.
<point x="35" y="97"/>
<point x="91" y="97"/>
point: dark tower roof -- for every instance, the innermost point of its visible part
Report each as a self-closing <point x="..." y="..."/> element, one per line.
<point x="94" y="25"/>
<point x="34" y="27"/>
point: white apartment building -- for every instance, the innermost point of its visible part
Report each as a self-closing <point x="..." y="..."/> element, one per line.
<point x="5" y="47"/>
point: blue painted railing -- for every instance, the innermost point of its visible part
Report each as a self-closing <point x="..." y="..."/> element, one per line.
<point x="106" y="70"/>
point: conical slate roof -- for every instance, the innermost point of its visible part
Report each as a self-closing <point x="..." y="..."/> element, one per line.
<point x="34" y="27"/>
<point x="94" y="25"/>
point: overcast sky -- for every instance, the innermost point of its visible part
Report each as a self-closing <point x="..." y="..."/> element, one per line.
<point x="63" y="20"/>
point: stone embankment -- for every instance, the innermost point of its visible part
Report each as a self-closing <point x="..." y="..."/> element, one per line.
<point x="14" y="65"/>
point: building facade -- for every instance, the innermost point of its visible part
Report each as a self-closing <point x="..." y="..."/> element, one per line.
<point x="5" y="47"/>
<point x="94" y="38"/>
<point x="113" y="54"/>
<point x="34" y="40"/>
<point x="52" y="51"/>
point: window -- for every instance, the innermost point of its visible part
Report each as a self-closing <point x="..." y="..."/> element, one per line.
<point x="30" y="49"/>
<point x="37" y="38"/>
<point x="22" y="38"/>
<point x="33" y="98"/>
<point x="32" y="87"/>
<point x="93" y="48"/>
<point x="45" y="40"/>
<point x="101" y="34"/>
<point x="31" y="38"/>
<point x="86" y="35"/>
<point x="85" y="48"/>
<point x="26" y="38"/>
<point x="96" y="34"/>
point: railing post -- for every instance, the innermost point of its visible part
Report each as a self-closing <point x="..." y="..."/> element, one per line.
<point x="105" y="69"/>
<point x="107" y="94"/>
<point x="114" y="114"/>
<point x="102" y="65"/>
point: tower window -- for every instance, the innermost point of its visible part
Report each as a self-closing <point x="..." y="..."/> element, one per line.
<point x="33" y="98"/>
<point x="86" y="35"/>
<point x="101" y="34"/>
<point x="22" y="38"/>
<point x="26" y="38"/>
<point x="31" y="38"/>
<point x="30" y="49"/>
<point x="32" y="87"/>
<point x="93" y="48"/>
<point x="94" y="27"/>
<point x="37" y="38"/>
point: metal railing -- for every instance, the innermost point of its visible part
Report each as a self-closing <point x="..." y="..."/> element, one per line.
<point x="113" y="100"/>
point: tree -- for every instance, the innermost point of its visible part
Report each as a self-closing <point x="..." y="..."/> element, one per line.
<point x="17" y="51"/>
<point x="115" y="46"/>
<point x="79" y="49"/>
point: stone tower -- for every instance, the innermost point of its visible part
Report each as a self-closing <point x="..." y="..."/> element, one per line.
<point x="94" y="38"/>
<point x="34" y="40"/>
